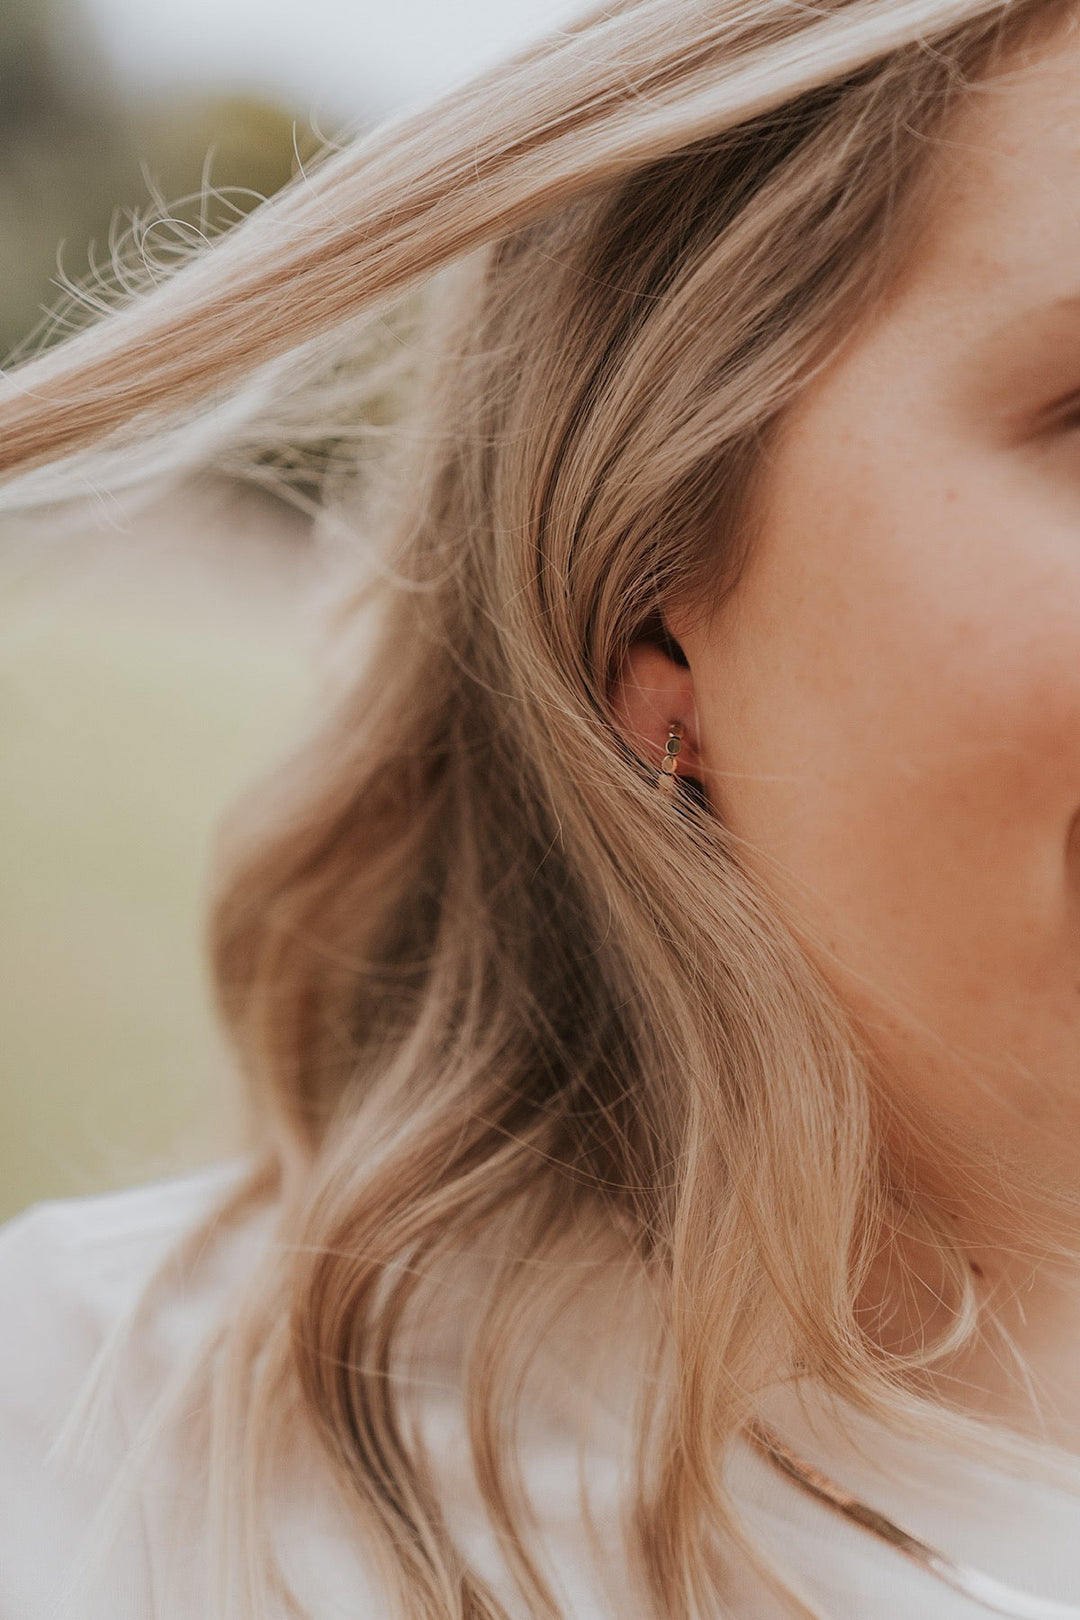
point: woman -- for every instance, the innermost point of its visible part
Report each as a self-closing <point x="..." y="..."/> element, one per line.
<point x="657" y="978"/>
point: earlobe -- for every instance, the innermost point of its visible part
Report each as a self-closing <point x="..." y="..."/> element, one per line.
<point x="653" y="694"/>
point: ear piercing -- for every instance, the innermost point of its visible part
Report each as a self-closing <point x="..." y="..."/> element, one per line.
<point x="666" y="780"/>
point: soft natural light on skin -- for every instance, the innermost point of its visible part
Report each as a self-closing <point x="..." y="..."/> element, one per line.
<point x="345" y="57"/>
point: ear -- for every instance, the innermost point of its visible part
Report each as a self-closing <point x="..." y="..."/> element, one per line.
<point x="655" y="687"/>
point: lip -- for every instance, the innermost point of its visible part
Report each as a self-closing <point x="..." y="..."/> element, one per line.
<point x="1072" y="851"/>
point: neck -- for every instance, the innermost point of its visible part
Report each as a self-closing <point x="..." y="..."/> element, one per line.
<point x="1020" y="1368"/>
<point x="1019" y="1365"/>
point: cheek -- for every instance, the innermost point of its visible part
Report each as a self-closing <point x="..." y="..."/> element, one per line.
<point x="896" y="721"/>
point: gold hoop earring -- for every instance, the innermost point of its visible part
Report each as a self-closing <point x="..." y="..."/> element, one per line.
<point x="666" y="779"/>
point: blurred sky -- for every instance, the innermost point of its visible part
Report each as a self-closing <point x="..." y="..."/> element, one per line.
<point x="332" y="58"/>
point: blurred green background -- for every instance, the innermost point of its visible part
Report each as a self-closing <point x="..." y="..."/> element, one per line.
<point x="147" y="669"/>
<point x="78" y="154"/>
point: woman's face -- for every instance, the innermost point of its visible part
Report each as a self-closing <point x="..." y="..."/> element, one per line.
<point x="888" y="709"/>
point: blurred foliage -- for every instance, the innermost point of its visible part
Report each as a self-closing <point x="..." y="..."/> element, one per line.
<point x="130" y="713"/>
<point x="77" y="156"/>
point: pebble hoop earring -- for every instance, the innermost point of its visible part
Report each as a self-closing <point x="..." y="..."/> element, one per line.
<point x="667" y="782"/>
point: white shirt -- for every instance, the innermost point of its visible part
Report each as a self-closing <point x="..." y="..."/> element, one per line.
<point x="70" y="1269"/>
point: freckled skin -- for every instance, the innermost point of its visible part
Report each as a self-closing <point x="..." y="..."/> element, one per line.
<point x="888" y="711"/>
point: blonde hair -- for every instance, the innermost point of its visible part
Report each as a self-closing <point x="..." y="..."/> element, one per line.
<point x="489" y="988"/>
